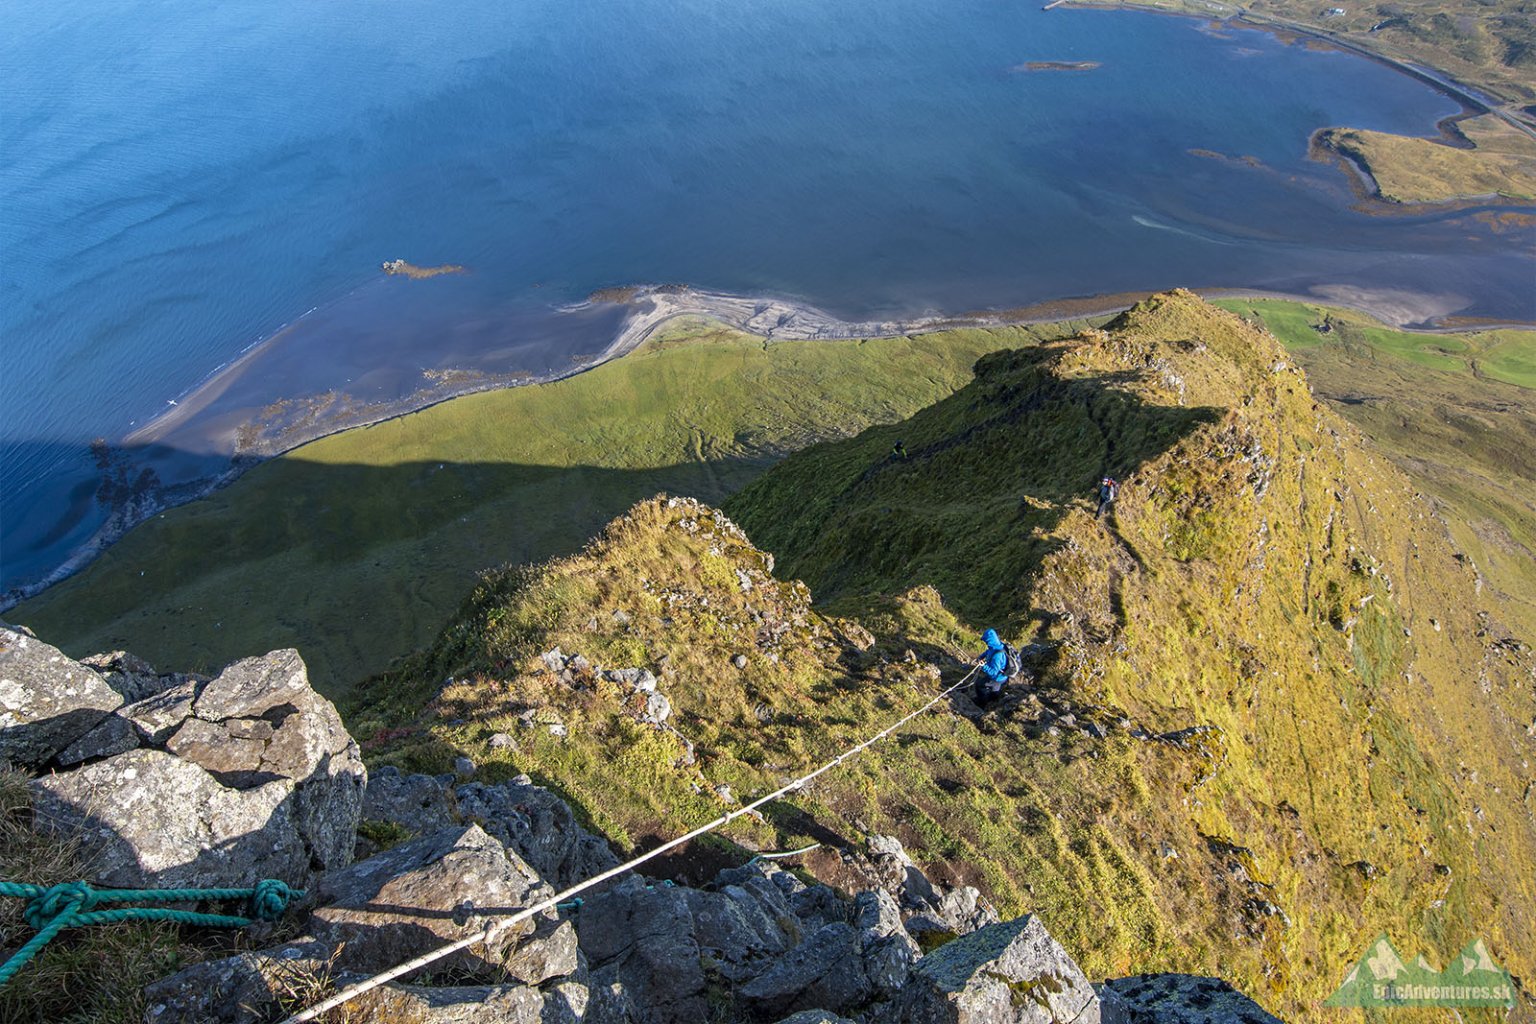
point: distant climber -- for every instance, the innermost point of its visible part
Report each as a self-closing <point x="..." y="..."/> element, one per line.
<point x="1108" y="488"/>
<point x="899" y="450"/>
<point x="999" y="665"/>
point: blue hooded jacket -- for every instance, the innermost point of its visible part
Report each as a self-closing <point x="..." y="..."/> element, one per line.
<point x="995" y="662"/>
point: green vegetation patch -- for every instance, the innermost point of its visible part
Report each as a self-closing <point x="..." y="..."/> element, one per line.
<point x="356" y="549"/>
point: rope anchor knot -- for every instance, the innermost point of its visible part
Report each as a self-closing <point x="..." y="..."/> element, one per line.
<point x="67" y="899"/>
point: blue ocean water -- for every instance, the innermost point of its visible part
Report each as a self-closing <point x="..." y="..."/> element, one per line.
<point x="179" y="181"/>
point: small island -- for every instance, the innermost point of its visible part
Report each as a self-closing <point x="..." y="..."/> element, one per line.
<point x="400" y="268"/>
<point x="1057" y="65"/>
<point x="1494" y="159"/>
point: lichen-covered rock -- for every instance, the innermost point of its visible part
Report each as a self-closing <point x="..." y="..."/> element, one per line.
<point x="888" y="950"/>
<point x="539" y="826"/>
<point x="815" y="1017"/>
<point x="242" y="989"/>
<point x="1007" y="973"/>
<point x="273" y="791"/>
<point x="436" y="889"/>
<point x="827" y="969"/>
<point x="1178" y="999"/>
<point x="112" y="735"/>
<point x="644" y="955"/>
<point x="47" y="701"/>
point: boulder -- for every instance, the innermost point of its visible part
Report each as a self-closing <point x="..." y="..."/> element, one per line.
<point x="1178" y="999"/>
<point x="1007" y="973"/>
<point x="274" y="790"/>
<point x="645" y="957"/>
<point x="740" y="931"/>
<point x="815" y="1017"/>
<point x="539" y="826"/>
<point x="826" y="970"/>
<point x="47" y="701"/>
<point x="888" y="951"/>
<point x="242" y="989"/>
<point x="430" y="891"/>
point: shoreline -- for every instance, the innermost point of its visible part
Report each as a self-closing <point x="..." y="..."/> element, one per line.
<point x="772" y="319"/>
<point x="1469" y="96"/>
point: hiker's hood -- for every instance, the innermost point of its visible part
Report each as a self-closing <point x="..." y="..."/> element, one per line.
<point x="991" y="639"/>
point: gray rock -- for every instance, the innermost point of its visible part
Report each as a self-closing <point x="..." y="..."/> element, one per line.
<point x="888" y="950"/>
<point x="464" y="768"/>
<point x="657" y="708"/>
<point x="159" y="714"/>
<point x="420" y="803"/>
<point x="251" y="687"/>
<point x="474" y="1004"/>
<point x="738" y="932"/>
<point x="1007" y="973"/>
<point x="645" y="681"/>
<point x="815" y="1017"/>
<point x="242" y="989"/>
<point x="620" y="617"/>
<point x="1178" y="999"/>
<point x="826" y="970"/>
<point x="539" y="826"/>
<point x="644" y="954"/>
<point x="148" y="819"/>
<point x="550" y="952"/>
<point x="210" y="745"/>
<point x="47" y="701"/>
<point x="740" y="661"/>
<point x="128" y="674"/>
<point x="553" y="659"/>
<point x="247" y="800"/>
<point x="113" y="735"/>
<point x="502" y="741"/>
<point x="417" y="896"/>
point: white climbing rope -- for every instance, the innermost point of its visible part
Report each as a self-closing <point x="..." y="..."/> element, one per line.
<point x="494" y="929"/>
<point x="783" y="854"/>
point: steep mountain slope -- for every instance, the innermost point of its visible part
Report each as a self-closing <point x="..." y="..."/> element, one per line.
<point x="1276" y="715"/>
<point x="398" y="517"/>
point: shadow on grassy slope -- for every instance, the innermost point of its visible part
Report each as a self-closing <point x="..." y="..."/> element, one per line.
<point x="972" y="510"/>
<point x="338" y="560"/>
<point x="356" y="549"/>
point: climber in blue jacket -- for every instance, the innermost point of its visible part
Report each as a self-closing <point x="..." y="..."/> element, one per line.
<point x="998" y="665"/>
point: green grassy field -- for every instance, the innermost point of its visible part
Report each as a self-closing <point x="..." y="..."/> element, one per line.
<point x="355" y="549"/>
<point x="1411" y="170"/>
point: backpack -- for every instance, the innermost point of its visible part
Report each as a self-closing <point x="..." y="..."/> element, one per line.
<point x="1015" y="666"/>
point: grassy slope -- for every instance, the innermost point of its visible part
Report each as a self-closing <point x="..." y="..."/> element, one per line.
<point x="1264" y="574"/>
<point x="356" y="548"/>
<point x="1411" y="170"/>
<point x="1453" y="412"/>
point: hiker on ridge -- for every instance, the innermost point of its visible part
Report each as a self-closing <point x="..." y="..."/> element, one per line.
<point x="899" y="450"/>
<point x="1108" y="488"/>
<point x="999" y="663"/>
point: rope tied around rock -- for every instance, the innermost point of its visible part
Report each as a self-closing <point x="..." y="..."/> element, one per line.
<point x="51" y="909"/>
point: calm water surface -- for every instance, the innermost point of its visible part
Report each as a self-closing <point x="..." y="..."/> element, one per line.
<point x="180" y="181"/>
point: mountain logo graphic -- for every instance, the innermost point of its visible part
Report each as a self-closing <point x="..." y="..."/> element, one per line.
<point x="1382" y="978"/>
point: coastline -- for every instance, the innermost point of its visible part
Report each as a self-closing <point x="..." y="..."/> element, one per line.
<point x="772" y="319"/>
<point x="1469" y="96"/>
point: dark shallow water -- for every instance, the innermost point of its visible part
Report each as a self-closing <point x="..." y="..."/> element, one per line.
<point x="178" y="183"/>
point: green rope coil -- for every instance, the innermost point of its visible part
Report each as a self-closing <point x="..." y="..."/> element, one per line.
<point x="51" y="909"/>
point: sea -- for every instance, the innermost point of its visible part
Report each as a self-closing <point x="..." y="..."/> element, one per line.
<point x="204" y="186"/>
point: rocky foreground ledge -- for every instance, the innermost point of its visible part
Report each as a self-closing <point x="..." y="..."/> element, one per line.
<point x="171" y="780"/>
